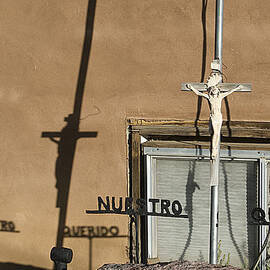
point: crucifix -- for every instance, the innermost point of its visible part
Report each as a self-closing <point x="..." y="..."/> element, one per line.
<point x="215" y="94"/>
<point x="214" y="90"/>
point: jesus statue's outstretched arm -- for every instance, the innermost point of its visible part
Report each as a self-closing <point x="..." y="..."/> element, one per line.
<point x="231" y="91"/>
<point x="197" y="92"/>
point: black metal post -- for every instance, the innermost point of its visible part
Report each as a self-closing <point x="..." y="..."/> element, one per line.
<point x="61" y="257"/>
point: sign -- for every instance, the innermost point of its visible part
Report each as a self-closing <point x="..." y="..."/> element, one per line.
<point x="7" y="226"/>
<point x="126" y="207"/>
<point x="138" y="207"/>
<point x="258" y="215"/>
<point x="91" y="231"/>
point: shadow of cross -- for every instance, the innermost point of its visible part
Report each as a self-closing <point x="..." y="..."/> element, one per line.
<point x="66" y="142"/>
<point x="67" y="138"/>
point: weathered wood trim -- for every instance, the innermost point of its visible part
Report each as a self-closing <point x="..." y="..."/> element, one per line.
<point x="150" y="122"/>
<point x="148" y="131"/>
<point x="136" y="141"/>
<point x="135" y="155"/>
<point x="199" y="123"/>
<point x="206" y="145"/>
<point x="239" y="129"/>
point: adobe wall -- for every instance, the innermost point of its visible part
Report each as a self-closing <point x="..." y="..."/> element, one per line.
<point x="141" y="52"/>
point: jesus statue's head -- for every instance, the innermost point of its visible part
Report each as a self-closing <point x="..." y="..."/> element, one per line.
<point x="214" y="79"/>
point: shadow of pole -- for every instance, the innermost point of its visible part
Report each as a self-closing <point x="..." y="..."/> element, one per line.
<point x="70" y="134"/>
<point x="204" y="51"/>
<point x="191" y="184"/>
<point x="91" y="246"/>
<point x="229" y="217"/>
<point x="228" y="122"/>
<point x="90" y="233"/>
<point x="190" y="189"/>
<point x="85" y="57"/>
<point x="228" y="114"/>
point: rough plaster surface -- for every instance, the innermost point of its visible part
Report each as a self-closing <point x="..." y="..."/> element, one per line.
<point x="141" y="52"/>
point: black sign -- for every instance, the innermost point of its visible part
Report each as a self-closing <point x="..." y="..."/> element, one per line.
<point x="7" y="226"/>
<point x="135" y="208"/>
<point x="125" y="207"/>
<point x="258" y="215"/>
<point x="91" y="231"/>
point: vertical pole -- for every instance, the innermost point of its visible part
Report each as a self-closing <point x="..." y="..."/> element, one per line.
<point x="214" y="174"/>
<point x="90" y="252"/>
<point x="214" y="163"/>
<point x="219" y="31"/>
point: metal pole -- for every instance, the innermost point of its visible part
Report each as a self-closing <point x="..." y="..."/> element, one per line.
<point x="214" y="163"/>
<point x="214" y="167"/>
<point x="219" y="31"/>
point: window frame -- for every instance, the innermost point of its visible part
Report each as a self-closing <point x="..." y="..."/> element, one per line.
<point x="178" y="133"/>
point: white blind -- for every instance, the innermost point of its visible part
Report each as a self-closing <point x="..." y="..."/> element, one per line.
<point x="188" y="182"/>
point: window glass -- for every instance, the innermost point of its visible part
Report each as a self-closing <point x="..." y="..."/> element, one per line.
<point x="188" y="181"/>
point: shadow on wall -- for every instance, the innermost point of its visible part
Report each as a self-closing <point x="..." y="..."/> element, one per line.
<point x="14" y="266"/>
<point x="90" y="233"/>
<point x="204" y="51"/>
<point x="191" y="184"/>
<point x="69" y="135"/>
<point x="190" y="190"/>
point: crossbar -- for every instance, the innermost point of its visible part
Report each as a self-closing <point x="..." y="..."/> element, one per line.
<point x="223" y="87"/>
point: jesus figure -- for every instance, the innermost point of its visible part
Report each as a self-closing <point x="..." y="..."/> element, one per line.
<point x="215" y="97"/>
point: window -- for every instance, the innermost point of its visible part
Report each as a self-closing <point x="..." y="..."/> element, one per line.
<point x="169" y="159"/>
<point x="183" y="174"/>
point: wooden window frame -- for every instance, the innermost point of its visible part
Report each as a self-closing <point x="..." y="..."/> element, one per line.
<point x="242" y="135"/>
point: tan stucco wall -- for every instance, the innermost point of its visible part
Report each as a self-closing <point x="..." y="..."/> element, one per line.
<point x="141" y="52"/>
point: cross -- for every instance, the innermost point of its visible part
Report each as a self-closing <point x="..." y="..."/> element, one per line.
<point x="214" y="90"/>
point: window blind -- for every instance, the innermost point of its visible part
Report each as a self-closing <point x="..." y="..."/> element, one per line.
<point x="188" y="181"/>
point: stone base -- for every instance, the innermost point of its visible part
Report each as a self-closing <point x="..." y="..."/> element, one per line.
<point x="176" y="265"/>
